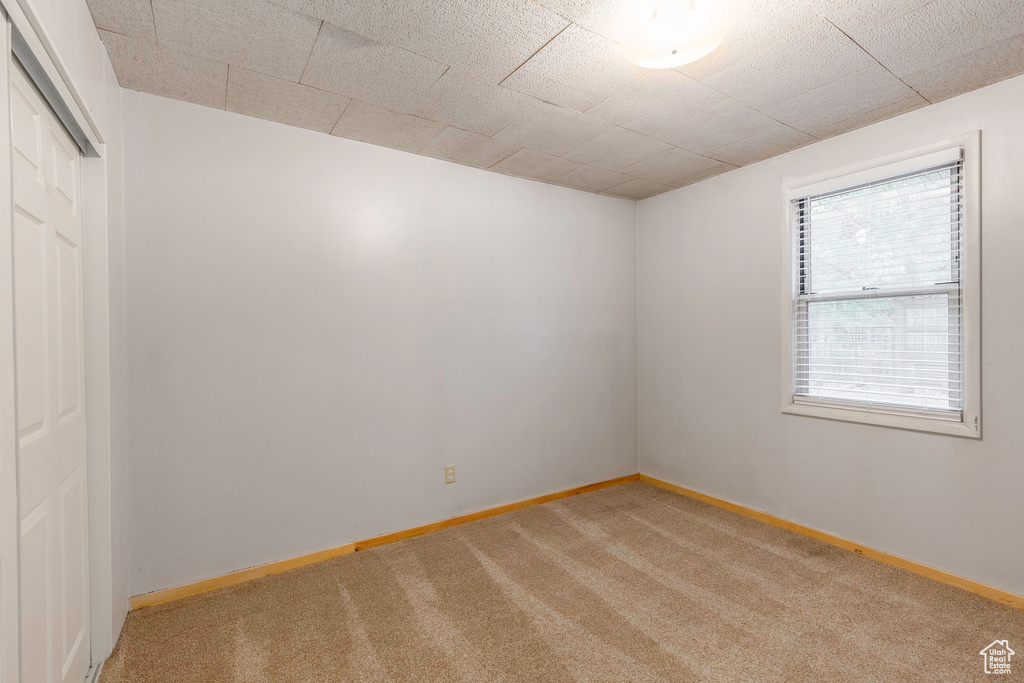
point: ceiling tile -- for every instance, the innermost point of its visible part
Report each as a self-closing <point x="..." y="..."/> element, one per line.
<point x="552" y="129"/>
<point x="142" y="66"/>
<point x="591" y="179"/>
<point x="128" y="17"/>
<point x="616" y="149"/>
<point x="716" y="127"/>
<point x="488" y="38"/>
<point x="655" y="101"/>
<point x="677" y="167"/>
<point x="614" y="19"/>
<point x="941" y="32"/>
<point x="253" y="34"/>
<point x="778" y="140"/>
<point x="378" y="126"/>
<point x="376" y="19"/>
<point x="465" y="101"/>
<point x="637" y="188"/>
<point x="854" y="95"/>
<point x="964" y="73"/>
<point x="911" y="103"/>
<point x="815" y="56"/>
<point x="467" y="148"/>
<point x="577" y="69"/>
<point x="855" y="17"/>
<point x="753" y="27"/>
<point x="266" y="97"/>
<point x="351" y="64"/>
<point x="527" y="163"/>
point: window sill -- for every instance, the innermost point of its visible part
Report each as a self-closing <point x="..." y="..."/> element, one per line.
<point x="882" y="418"/>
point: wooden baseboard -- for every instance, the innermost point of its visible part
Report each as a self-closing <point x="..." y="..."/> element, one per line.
<point x="206" y="585"/>
<point x="489" y="512"/>
<point x="997" y="594"/>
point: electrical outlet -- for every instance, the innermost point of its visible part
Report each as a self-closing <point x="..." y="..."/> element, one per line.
<point x="449" y="474"/>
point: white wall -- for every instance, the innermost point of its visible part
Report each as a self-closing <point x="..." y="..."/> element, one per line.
<point x="316" y="327"/>
<point x="68" y="26"/>
<point x="710" y="361"/>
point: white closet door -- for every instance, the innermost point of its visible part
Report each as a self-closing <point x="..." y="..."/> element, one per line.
<point x="49" y="368"/>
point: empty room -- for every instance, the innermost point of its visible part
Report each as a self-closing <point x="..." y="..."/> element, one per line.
<point x="511" y="340"/>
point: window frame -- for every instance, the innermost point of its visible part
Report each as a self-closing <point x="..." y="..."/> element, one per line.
<point x="965" y="424"/>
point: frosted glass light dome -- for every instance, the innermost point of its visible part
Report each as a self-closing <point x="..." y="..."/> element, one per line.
<point x="677" y="33"/>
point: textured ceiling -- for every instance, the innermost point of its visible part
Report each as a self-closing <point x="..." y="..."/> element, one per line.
<point x="542" y="90"/>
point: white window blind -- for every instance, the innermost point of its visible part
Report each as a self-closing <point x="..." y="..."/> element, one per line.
<point x="877" y="283"/>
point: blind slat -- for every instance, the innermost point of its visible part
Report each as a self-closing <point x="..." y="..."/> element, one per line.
<point x="919" y="250"/>
<point x="875" y="355"/>
<point x="833" y="219"/>
<point x="892" y="394"/>
<point x="940" y="366"/>
<point x="892" y="198"/>
<point x="870" y="189"/>
<point x="935" y="238"/>
<point x="854" y="376"/>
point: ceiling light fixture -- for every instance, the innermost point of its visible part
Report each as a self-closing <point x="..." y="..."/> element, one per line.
<point x="677" y="33"/>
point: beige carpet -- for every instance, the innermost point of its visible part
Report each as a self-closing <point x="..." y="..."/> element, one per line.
<point x="630" y="583"/>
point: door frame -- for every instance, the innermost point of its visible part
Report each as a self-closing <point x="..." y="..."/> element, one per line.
<point x="9" y="514"/>
<point x="106" y="614"/>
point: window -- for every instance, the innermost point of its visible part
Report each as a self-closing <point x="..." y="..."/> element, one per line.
<point x="880" y="296"/>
